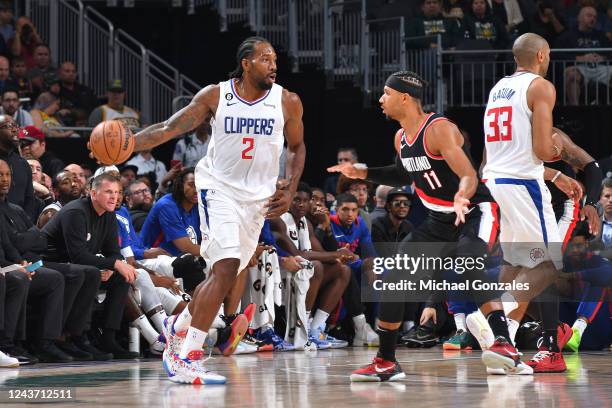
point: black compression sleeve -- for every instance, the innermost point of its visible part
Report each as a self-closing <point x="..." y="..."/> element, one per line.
<point x="393" y="175"/>
<point x="592" y="182"/>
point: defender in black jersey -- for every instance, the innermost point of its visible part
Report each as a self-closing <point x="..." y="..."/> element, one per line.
<point x="432" y="154"/>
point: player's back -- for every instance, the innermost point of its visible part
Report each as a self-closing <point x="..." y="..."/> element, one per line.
<point x="508" y="134"/>
<point x="245" y="147"/>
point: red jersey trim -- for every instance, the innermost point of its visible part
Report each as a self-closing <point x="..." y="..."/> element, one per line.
<point x="432" y="200"/>
<point x="418" y="131"/>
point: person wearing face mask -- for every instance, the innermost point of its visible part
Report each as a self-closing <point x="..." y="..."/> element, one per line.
<point x="22" y="191"/>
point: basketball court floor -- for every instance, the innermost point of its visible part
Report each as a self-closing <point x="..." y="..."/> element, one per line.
<point x="320" y="379"/>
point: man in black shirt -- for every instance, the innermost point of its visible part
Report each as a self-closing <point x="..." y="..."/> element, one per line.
<point x="73" y="94"/>
<point x="22" y="191"/>
<point x="430" y="23"/>
<point x="79" y="232"/>
<point x="20" y="242"/>
<point x="33" y="146"/>
<point x="590" y="67"/>
<point x="393" y="227"/>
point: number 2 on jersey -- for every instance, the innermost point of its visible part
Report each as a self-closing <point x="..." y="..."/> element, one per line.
<point x="503" y="132"/>
<point x="250" y="142"/>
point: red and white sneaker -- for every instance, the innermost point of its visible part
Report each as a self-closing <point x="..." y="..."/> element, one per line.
<point x="379" y="370"/>
<point x="504" y="356"/>
<point x="564" y="334"/>
<point x="547" y="362"/>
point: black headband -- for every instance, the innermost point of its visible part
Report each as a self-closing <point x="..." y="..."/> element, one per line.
<point x="411" y="86"/>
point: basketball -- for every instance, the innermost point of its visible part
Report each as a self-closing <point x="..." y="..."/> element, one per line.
<point x="111" y="142"/>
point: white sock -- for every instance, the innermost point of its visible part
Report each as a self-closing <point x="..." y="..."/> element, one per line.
<point x="460" y="321"/>
<point x="509" y="303"/>
<point x="145" y="328"/>
<point x="319" y="320"/>
<point x="407" y="325"/>
<point x="580" y="325"/>
<point x="359" y="321"/>
<point x="183" y="321"/>
<point x="158" y="320"/>
<point x="513" y="327"/>
<point x="193" y="341"/>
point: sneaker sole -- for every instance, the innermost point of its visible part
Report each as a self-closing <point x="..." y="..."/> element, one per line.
<point x="193" y="380"/>
<point x="451" y="346"/>
<point x="14" y="365"/>
<point x="239" y="329"/>
<point x="372" y="378"/>
<point x="495" y="360"/>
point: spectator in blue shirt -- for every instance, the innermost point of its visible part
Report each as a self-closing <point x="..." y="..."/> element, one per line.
<point x="174" y="223"/>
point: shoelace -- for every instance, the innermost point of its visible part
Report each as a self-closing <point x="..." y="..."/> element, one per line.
<point x="541" y="355"/>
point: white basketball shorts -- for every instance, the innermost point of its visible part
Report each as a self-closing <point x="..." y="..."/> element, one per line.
<point x="529" y="234"/>
<point x="230" y="228"/>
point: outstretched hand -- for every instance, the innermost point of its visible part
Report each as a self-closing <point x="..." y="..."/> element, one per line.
<point x="461" y="208"/>
<point x="349" y="170"/>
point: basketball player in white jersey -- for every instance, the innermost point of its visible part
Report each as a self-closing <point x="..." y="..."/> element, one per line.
<point x="518" y="139"/>
<point x="236" y="182"/>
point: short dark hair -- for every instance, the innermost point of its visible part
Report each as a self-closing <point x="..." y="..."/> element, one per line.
<point x="178" y="193"/>
<point x="10" y="89"/>
<point x="304" y="188"/>
<point x="607" y="182"/>
<point x="345" y="198"/>
<point x="56" y="180"/>
<point x="582" y="230"/>
<point x="98" y="180"/>
<point x="42" y="45"/>
<point x="245" y="50"/>
<point x="351" y="150"/>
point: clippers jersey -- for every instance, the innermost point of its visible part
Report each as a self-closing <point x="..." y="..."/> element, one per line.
<point x="434" y="181"/>
<point x="507" y="129"/>
<point x="245" y="147"/>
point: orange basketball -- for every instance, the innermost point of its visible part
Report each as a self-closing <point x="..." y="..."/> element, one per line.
<point x="111" y="142"/>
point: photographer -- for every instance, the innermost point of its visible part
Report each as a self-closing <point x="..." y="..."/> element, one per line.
<point x="25" y="41"/>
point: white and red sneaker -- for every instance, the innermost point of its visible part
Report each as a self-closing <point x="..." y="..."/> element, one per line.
<point x="504" y="356"/>
<point x="190" y="370"/>
<point x="174" y="340"/>
<point x="380" y="370"/>
<point x="547" y="362"/>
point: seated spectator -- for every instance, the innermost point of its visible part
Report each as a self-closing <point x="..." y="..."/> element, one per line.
<point x="33" y="146"/>
<point x="128" y="174"/>
<point x="174" y="222"/>
<point x="42" y="63"/>
<point x="509" y="12"/>
<point x="146" y="163"/>
<point x="21" y="243"/>
<point x="76" y="235"/>
<point x="548" y="20"/>
<point x="4" y="73"/>
<point x="11" y="106"/>
<point x="358" y="188"/>
<point x="193" y="147"/>
<point x="115" y="108"/>
<point x="22" y="192"/>
<point x="80" y="174"/>
<point x="481" y="24"/>
<point x="73" y="94"/>
<point x="45" y="115"/>
<point x="606" y="204"/>
<point x="18" y="79"/>
<point x="394" y="226"/>
<point x="453" y="9"/>
<point x="139" y="201"/>
<point x="7" y="30"/>
<point x="381" y="202"/>
<point x="591" y="66"/>
<point x="331" y="182"/>
<point x="430" y="23"/>
<point x="25" y="41"/>
<point x="66" y="188"/>
<point x="41" y="191"/>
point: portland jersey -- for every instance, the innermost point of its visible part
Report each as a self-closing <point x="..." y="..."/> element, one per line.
<point x="434" y="181"/>
<point x="245" y="147"/>
<point x="507" y="129"/>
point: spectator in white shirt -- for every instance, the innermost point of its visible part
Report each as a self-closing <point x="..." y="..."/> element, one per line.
<point x="146" y="163"/>
<point x="191" y="148"/>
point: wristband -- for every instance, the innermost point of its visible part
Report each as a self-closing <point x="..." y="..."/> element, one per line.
<point x="556" y="176"/>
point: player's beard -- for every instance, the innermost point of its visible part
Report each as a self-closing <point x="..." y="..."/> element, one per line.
<point x="264" y="86"/>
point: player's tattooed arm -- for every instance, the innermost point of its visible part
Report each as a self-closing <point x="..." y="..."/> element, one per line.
<point x="572" y="154"/>
<point x="181" y="122"/>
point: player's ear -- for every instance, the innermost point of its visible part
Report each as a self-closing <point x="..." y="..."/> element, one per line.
<point x="246" y="64"/>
